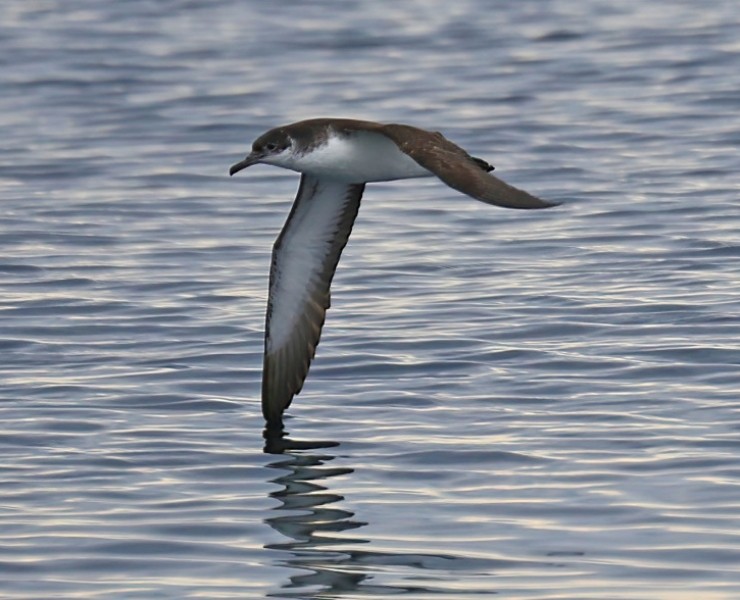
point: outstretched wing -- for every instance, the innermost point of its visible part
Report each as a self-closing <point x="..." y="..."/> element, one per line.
<point x="304" y="259"/>
<point x="459" y="170"/>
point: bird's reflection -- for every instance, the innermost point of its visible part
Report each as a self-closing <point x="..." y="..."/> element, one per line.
<point x="332" y="566"/>
<point x="307" y="517"/>
<point x="278" y="442"/>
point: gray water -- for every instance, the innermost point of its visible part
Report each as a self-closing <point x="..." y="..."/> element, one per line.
<point x="509" y="404"/>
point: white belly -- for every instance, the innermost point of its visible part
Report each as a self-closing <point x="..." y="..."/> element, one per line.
<point x="358" y="158"/>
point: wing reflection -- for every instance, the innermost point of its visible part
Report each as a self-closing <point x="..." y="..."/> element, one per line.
<point x="310" y="519"/>
<point x="277" y="442"/>
<point x="333" y="566"/>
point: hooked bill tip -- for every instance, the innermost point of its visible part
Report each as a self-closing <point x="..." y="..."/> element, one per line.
<point x="243" y="164"/>
<point x="237" y="167"/>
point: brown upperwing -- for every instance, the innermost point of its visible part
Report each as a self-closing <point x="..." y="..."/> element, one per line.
<point x="458" y="169"/>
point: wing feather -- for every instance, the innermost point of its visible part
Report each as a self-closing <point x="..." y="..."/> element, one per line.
<point x="304" y="259"/>
<point x="455" y="167"/>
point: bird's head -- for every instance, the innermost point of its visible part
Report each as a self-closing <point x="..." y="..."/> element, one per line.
<point x="272" y="148"/>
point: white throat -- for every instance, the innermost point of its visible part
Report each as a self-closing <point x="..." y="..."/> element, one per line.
<point x="357" y="158"/>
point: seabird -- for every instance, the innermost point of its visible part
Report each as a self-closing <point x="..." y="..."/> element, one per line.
<point x="336" y="158"/>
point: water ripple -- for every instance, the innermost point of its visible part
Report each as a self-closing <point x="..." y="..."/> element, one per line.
<point x="537" y="405"/>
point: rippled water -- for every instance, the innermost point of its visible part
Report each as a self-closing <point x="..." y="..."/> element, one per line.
<point x="504" y="404"/>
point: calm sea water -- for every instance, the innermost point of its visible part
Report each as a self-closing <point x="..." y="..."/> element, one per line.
<point x="525" y="405"/>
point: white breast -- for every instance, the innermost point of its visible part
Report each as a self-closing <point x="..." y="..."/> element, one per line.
<point x="358" y="158"/>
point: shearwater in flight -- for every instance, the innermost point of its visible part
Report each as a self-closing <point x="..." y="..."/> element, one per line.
<point x="336" y="158"/>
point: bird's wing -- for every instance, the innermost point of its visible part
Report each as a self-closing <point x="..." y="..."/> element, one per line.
<point x="304" y="259"/>
<point x="461" y="171"/>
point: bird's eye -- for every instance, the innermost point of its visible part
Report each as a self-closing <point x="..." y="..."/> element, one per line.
<point x="270" y="147"/>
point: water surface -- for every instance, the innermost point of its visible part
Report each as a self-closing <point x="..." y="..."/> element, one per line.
<point x="527" y="405"/>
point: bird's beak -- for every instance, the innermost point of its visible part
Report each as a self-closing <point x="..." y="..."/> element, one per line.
<point x="252" y="159"/>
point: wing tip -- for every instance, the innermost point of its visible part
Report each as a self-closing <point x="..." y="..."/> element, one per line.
<point x="275" y="393"/>
<point x="540" y="204"/>
<point x="500" y="193"/>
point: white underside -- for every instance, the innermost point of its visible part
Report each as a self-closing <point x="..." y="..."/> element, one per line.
<point x="359" y="158"/>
